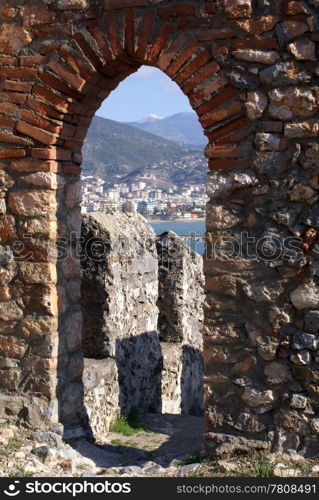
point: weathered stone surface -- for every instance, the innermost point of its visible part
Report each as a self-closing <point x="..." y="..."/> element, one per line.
<point x="11" y="347"/>
<point x="219" y="217"/>
<point x="220" y="184"/>
<point x="284" y="73"/>
<point x="277" y="373"/>
<point x="35" y="202"/>
<point x="298" y="401"/>
<point x="303" y="50"/>
<point x="238" y="8"/>
<point x="291" y="102"/>
<point x="45" y="180"/>
<point x="288" y="30"/>
<point x="38" y="272"/>
<point x="312" y="321"/>
<point x="256" y="104"/>
<point x="11" y="311"/>
<point x="301" y="130"/>
<point x="256" y="397"/>
<point x="72" y="4"/>
<point x="256" y="56"/>
<point x="301" y="358"/>
<point x="305" y="341"/>
<point x="305" y="296"/>
<point x="270" y="142"/>
<point x="13" y="38"/>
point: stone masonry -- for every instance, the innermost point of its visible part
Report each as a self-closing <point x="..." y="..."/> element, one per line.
<point x="250" y="71"/>
<point x="125" y="363"/>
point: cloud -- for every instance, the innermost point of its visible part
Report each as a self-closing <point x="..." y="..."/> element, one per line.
<point x="168" y="85"/>
<point x="158" y="78"/>
<point x="145" y="73"/>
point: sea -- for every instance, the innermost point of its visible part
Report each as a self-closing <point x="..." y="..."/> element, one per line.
<point x="191" y="228"/>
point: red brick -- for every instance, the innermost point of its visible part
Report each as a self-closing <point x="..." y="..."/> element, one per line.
<point x="129" y="31"/>
<point x="46" y="109"/>
<point x="51" y="97"/>
<point x="55" y="83"/>
<point x="6" y="108"/>
<point x="72" y="170"/>
<point x="228" y="129"/>
<point x="224" y="152"/>
<point x="14" y="139"/>
<point x="79" y="65"/>
<point x="234" y="138"/>
<point x="36" y="15"/>
<point x="36" y="133"/>
<point x="182" y="58"/>
<point x="77" y="158"/>
<point x="93" y="57"/>
<point x="254" y="43"/>
<point x="113" y="34"/>
<point x="210" y="7"/>
<point x="178" y="10"/>
<point x="12" y="153"/>
<point x="6" y="122"/>
<point x="167" y="56"/>
<point x="102" y="44"/>
<point x="211" y="87"/>
<point x="51" y="154"/>
<point x="122" y="4"/>
<point x="13" y="97"/>
<point x="7" y="60"/>
<point x="144" y="35"/>
<point x="227" y="164"/>
<point x="220" y="34"/>
<point x="72" y="144"/>
<point x="38" y="121"/>
<point x="16" y="86"/>
<point x="200" y="76"/>
<point x="18" y="73"/>
<point x="193" y="67"/>
<point x="219" y="50"/>
<point x="48" y="48"/>
<point x="159" y="43"/>
<point x="218" y="116"/>
<point x="31" y="60"/>
<point x="216" y="100"/>
<point x="73" y="80"/>
<point x="34" y="165"/>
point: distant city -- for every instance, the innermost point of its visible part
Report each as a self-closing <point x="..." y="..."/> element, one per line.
<point x="178" y="202"/>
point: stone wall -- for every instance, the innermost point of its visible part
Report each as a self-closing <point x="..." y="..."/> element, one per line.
<point x="119" y="295"/>
<point x="180" y="303"/>
<point x="125" y="363"/>
<point x="250" y="71"/>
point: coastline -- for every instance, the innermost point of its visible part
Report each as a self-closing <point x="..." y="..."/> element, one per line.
<point x="155" y="221"/>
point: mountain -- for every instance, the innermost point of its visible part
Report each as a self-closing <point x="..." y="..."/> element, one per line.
<point x="182" y="128"/>
<point x="150" y="119"/>
<point x="114" y="150"/>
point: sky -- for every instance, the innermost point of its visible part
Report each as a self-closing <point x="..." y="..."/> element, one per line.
<point x="148" y="91"/>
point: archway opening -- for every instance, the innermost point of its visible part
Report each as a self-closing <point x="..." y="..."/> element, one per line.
<point x="143" y="214"/>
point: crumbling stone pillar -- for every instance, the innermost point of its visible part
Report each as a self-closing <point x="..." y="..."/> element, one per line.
<point x="250" y="72"/>
<point x="123" y="358"/>
<point x="180" y="321"/>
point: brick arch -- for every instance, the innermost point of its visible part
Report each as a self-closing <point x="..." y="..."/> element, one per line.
<point x="57" y="64"/>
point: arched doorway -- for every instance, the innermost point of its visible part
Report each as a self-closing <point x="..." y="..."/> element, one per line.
<point x="58" y="63"/>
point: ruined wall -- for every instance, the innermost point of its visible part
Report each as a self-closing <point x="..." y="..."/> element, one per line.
<point x="180" y="303"/>
<point x="122" y="352"/>
<point x="125" y="363"/>
<point x="250" y="71"/>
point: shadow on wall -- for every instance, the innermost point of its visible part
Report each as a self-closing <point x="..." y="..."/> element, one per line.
<point x="139" y="363"/>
